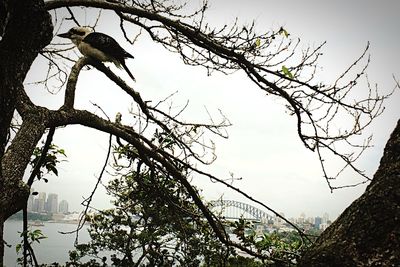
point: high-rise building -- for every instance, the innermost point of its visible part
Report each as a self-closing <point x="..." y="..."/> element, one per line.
<point x="302" y="218"/>
<point x="317" y="222"/>
<point x="41" y="202"/>
<point x="52" y="203"/>
<point x="63" y="206"/>
<point x="325" y="218"/>
<point x="35" y="206"/>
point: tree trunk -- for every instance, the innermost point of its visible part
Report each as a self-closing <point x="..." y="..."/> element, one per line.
<point x="368" y="232"/>
<point x="25" y="28"/>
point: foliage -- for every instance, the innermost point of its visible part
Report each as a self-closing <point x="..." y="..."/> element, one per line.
<point x="287" y="72"/>
<point x="153" y="223"/>
<point x="49" y="161"/>
<point x="281" y="247"/>
<point x="241" y="261"/>
<point x="32" y="236"/>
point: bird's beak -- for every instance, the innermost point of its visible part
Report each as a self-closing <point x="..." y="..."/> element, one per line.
<point x="65" y="35"/>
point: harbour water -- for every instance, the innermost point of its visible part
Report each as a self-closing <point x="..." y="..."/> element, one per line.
<point x="52" y="249"/>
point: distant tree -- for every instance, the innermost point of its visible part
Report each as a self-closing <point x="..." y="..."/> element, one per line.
<point x="167" y="146"/>
<point x="32" y="216"/>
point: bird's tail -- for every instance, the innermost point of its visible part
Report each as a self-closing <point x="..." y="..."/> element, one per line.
<point x="128" y="71"/>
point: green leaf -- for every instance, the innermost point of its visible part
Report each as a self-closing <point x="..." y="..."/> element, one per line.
<point x="18" y="247"/>
<point x="37" y="232"/>
<point x="258" y="42"/>
<point x="287" y="72"/>
<point x="62" y="152"/>
<point x="53" y="169"/>
<point x="284" y="32"/>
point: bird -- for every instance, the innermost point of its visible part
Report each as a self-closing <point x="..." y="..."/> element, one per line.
<point x="98" y="46"/>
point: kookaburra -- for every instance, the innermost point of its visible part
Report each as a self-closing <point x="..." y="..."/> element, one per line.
<point x="98" y="46"/>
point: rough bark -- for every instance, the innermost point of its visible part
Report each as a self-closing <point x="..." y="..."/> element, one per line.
<point x="25" y="29"/>
<point x="368" y="232"/>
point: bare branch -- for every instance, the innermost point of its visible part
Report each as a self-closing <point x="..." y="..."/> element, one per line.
<point x="263" y="57"/>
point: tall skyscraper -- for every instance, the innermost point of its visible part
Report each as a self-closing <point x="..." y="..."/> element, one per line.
<point x="52" y="203"/>
<point x="317" y="222"/>
<point x="41" y="202"/>
<point x="35" y="206"/>
<point x="325" y="218"/>
<point x="63" y="207"/>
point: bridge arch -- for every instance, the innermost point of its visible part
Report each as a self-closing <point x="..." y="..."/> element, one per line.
<point x="255" y="213"/>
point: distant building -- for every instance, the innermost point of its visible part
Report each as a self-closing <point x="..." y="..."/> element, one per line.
<point x="325" y="218"/>
<point x="302" y="218"/>
<point x="323" y="226"/>
<point x="35" y="205"/>
<point x="41" y="204"/>
<point x="52" y="203"/>
<point x="317" y="222"/>
<point x="29" y="206"/>
<point x="63" y="206"/>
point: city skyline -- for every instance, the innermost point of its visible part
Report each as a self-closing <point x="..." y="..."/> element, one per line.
<point x="39" y="203"/>
<point x="43" y="205"/>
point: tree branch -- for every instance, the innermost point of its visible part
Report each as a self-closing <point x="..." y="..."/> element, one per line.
<point x="315" y="105"/>
<point x="43" y="155"/>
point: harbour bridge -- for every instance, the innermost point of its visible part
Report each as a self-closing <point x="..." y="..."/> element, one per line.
<point x="231" y="209"/>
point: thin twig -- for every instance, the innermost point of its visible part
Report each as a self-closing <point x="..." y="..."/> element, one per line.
<point x="42" y="158"/>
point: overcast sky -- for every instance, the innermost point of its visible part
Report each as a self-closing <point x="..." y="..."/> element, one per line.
<point x="263" y="147"/>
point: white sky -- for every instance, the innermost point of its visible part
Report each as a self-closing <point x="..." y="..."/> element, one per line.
<point x="263" y="147"/>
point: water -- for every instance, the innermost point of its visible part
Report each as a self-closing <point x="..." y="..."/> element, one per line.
<point x="52" y="249"/>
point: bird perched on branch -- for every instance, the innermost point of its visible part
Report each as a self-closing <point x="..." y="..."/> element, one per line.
<point x="98" y="46"/>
